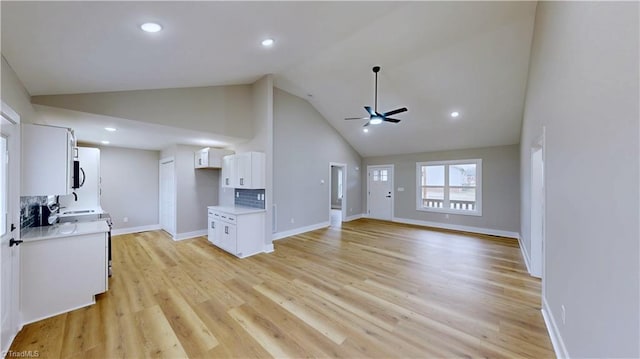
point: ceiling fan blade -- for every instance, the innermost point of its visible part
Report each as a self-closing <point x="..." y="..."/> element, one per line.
<point x="357" y="118"/>
<point x="366" y="124"/>
<point x="370" y="110"/>
<point x="396" y="111"/>
<point x="394" y="120"/>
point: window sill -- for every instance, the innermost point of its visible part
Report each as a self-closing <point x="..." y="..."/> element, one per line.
<point x="477" y="213"/>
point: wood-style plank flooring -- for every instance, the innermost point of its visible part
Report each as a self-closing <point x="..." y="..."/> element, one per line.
<point x="368" y="289"/>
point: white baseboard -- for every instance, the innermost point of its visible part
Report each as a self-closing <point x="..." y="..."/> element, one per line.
<point x="525" y="255"/>
<point x="293" y="232"/>
<point x="268" y="248"/>
<point x="457" y="227"/>
<point x="187" y="235"/>
<point x="556" y="339"/>
<point x="119" y="231"/>
<point x="354" y="217"/>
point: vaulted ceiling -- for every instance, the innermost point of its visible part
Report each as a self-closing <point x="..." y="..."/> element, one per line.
<point x="436" y="58"/>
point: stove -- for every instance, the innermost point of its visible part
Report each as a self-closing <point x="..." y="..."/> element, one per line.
<point x="90" y="217"/>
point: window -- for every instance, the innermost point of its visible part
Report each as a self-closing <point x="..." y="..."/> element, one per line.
<point x="450" y="186"/>
<point x="380" y="175"/>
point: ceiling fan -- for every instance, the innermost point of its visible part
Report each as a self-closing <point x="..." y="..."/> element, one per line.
<point x="375" y="117"/>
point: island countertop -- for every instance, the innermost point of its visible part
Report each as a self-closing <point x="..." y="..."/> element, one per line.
<point x="63" y="230"/>
<point x="237" y="210"/>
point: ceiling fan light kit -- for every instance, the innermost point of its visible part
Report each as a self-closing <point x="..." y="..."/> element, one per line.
<point x="375" y="117"/>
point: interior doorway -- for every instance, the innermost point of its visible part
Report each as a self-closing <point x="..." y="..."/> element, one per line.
<point x="337" y="193"/>
<point x="167" y="196"/>
<point x="537" y="209"/>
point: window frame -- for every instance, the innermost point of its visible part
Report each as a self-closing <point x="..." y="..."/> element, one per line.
<point x="445" y="207"/>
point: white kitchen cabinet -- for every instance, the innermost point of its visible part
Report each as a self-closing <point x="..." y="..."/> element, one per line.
<point x="214" y="228"/>
<point x="239" y="232"/>
<point x="228" y="171"/>
<point x="244" y="170"/>
<point x="62" y="274"/>
<point x="209" y="157"/>
<point x="47" y="160"/>
<point x="229" y="238"/>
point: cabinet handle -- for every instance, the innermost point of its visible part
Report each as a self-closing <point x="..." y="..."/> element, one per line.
<point x="213" y="225"/>
<point x="226" y="229"/>
<point x="199" y="161"/>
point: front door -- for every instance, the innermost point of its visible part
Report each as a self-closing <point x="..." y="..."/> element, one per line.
<point x="380" y="192"/>
<point x="9" y="224"/>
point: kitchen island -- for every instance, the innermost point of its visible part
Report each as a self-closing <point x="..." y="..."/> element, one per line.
<point x="63" y="267"/>
<point x="236" y="229"/>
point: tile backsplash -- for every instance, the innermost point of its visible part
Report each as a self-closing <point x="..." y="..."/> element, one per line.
<point x="249" y="198"/>
<point x="30" y="210"/>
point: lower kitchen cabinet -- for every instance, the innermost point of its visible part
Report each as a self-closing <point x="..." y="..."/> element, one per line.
<point x="62" y="274"/>
<point x="241" y="234"/>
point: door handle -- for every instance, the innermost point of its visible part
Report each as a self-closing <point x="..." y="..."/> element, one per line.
<point x="389" y="196"/>
<point x="13" y="242"/>
<point x="13" y="227"/>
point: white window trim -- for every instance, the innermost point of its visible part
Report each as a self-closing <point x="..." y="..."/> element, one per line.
<point x="478" y="210"/>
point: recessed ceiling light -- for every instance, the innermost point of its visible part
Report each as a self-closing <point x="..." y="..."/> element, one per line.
<point x="365" y="130"/>
<point x="267" y="42"/>
<point x="151" y="27"/>
<point x="105" y="142"/>
<point x="455" y="114"/>
<point x="110" y="129"/>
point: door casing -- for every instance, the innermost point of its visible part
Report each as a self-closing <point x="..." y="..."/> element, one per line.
<point x="10" y="292"/>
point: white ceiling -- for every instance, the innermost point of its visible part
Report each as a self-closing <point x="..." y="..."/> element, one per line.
<point x="90" y="128"/>
<point x="436" y="57"/>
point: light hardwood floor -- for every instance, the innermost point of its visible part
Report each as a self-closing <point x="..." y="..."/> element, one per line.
<point x="368" y="289"/>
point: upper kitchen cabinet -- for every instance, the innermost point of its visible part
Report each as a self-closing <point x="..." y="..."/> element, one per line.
<point x="244" y="170"/>
<point x="210" y="157"/>
<point x="48" y="154"/>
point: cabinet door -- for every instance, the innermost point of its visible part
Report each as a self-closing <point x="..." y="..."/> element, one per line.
<point x="228" y="237"/>
<point x="211" y="230"/>
<point x="47" y="160"/>
<point x="228" y="171"/>
<point x="243" y="168"/>
<point x="199" y="159"/>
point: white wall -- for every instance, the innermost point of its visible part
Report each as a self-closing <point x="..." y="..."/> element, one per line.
<point x="196" y="189"/>
<point x="224" y="110"/>
<point x="14" y="94"/>
<point x="500" y="188"/>
<point x="583" y="87"/>
<point x="304" y="145"/>
<point x="129" y="186"/>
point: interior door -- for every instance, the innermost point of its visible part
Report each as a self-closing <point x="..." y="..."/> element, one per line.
<point x="380" y="192"/>
<point x="167" y="210"/>
<point x="9" y="225"/>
